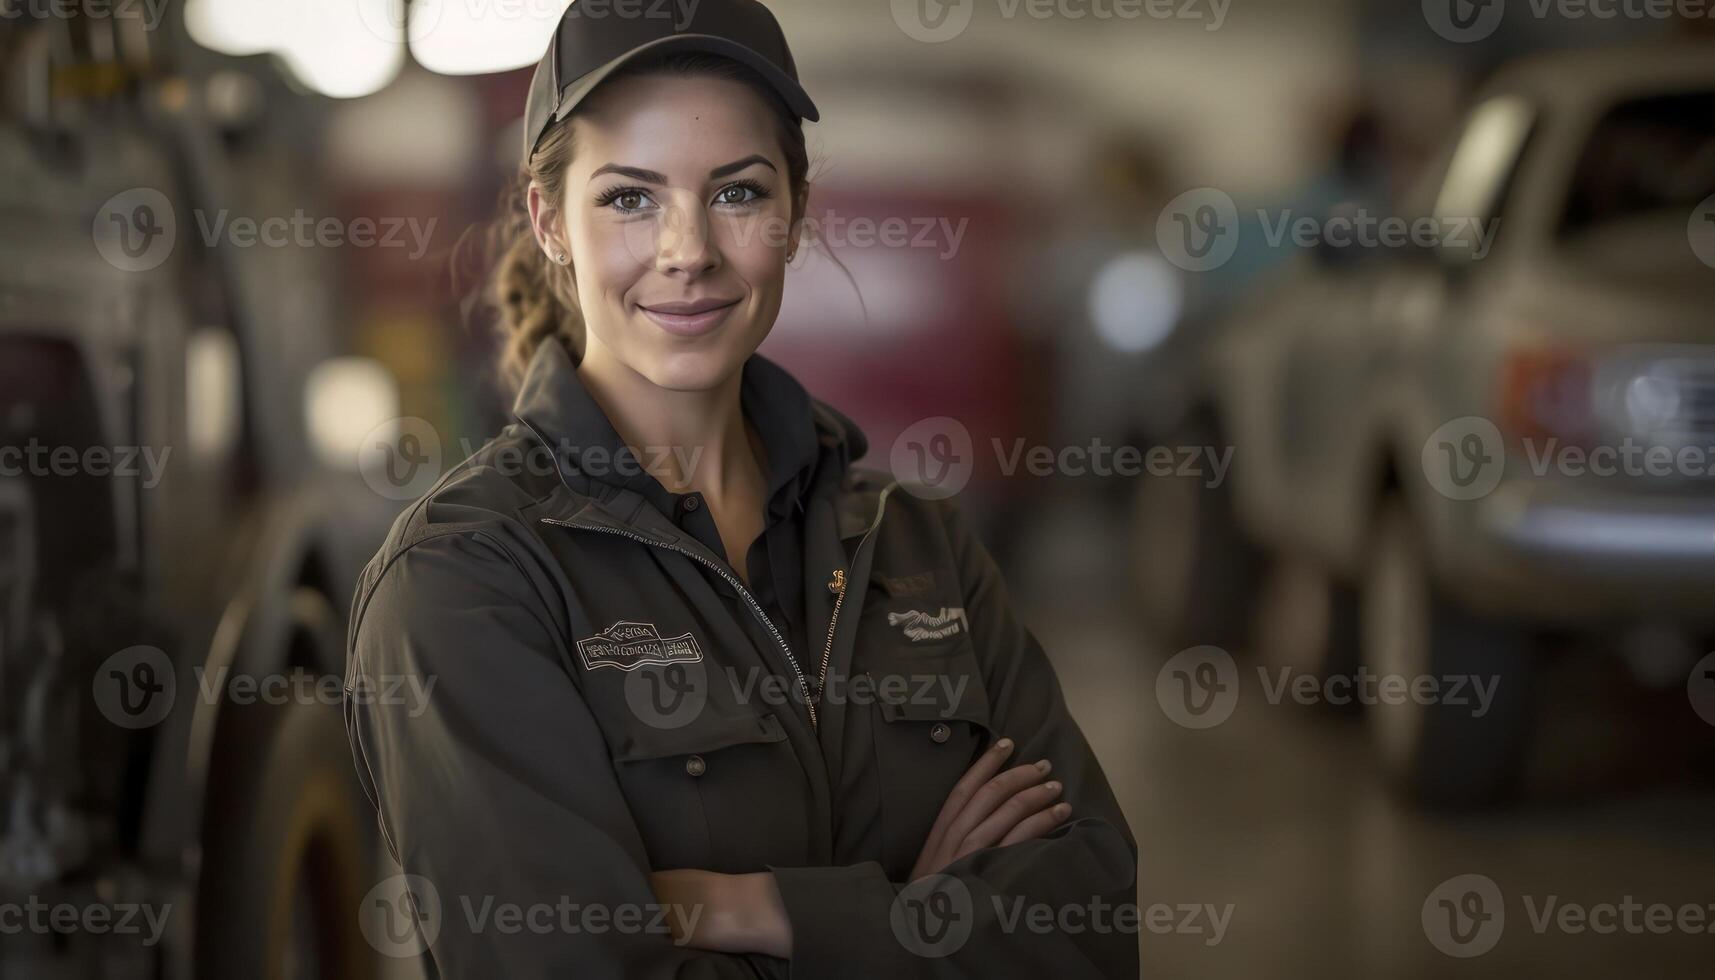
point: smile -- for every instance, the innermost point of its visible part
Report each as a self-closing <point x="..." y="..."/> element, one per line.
<point x="690" y="319"/>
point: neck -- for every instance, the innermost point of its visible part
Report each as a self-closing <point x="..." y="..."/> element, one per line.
<point x="688" y="440"/>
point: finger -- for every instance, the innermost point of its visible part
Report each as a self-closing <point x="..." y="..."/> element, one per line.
<point x="992" y="794"/>
<point x="1024" y="804"/>
<point x="979" y="773"/>
<point x="1038" y="825"/>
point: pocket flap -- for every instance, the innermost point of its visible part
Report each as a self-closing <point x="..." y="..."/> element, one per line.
<point x="709" y="733"/>
<point x="929" y="696"/>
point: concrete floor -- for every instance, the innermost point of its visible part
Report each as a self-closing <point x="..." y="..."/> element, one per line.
<point x="1278" y="811"/>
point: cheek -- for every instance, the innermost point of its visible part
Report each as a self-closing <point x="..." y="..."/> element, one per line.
<point x="606" y="262"/>
<point x="755" y="251"/>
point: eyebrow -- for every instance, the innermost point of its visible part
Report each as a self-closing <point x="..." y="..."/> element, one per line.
<point x="655" y="177"/>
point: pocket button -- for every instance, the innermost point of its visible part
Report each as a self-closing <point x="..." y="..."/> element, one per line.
<point x="940" y="733"/>
<point x="695" y="766"/>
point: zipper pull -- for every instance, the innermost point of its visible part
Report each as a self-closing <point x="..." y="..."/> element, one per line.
<point x="838" y="584"/>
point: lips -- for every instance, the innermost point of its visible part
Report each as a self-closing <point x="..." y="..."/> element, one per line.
<point x="689" y="318"/>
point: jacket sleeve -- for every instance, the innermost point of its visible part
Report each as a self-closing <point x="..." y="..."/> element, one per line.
<point x="853" y="922"/>
<point x="496" y="790"/>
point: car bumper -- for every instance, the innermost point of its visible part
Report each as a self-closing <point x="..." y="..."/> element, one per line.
<point x="1564" y="553"/>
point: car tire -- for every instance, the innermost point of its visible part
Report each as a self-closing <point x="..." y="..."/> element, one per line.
<point x="288" y="850"/>
<point x="1195" y="572"/>
<point x="1442" y="754"/>
<point x="1306" y="621"/>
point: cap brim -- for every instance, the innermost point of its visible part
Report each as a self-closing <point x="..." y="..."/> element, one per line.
<point x="789" y="91"/>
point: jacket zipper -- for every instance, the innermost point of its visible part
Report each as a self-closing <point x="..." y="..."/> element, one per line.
<point x="810" y="701"/>
<point x="837" y="585"/>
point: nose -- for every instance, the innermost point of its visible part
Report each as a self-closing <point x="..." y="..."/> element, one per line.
<point x="683" y="244"/>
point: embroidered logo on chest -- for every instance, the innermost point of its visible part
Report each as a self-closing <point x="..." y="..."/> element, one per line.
<point x="919" y="626"/>
<point x="626" y="646"/>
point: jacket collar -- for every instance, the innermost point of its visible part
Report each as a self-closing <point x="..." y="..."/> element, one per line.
<point x="804" y="439"/>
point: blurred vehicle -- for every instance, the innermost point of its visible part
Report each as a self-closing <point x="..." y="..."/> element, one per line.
<point x="176" y="550"/>
<point x="1444" y="447"/>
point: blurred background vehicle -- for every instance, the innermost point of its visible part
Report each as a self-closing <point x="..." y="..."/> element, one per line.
<point x="1443" y="443"/>
<point x="181" y="525"/>
<point x="249" y="237"/>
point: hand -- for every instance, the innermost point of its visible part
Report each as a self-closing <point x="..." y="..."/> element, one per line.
<point x="990" y="808"/>
<point x="724" y="913"/>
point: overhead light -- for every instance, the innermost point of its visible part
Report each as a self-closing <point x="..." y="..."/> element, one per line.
<point x="461" y="38"/>
<point x="339" y="48"/>
<point x="1135" y="301"/>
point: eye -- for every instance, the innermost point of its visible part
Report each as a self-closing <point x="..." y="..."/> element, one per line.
<point x="626" y="200"/>
<point x="740" y="193"/>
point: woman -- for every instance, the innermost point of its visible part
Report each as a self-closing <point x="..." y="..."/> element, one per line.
<point x="683" y="654"/>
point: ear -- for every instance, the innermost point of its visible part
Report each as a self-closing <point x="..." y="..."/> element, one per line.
<point x="548" y="225"/>
<point x="796" y="234"/>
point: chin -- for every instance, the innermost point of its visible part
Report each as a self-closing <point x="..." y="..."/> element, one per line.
<point x="695" y="370"/>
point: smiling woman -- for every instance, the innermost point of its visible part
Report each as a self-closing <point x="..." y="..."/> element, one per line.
<point x="778" y="695"/>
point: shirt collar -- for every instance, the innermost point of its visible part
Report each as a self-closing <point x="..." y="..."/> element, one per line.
<point x="796" y="431"/>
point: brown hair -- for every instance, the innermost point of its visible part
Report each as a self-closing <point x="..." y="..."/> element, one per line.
<point x="537" y="299"/>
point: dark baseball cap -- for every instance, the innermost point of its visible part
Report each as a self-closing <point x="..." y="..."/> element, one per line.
<point x="588" y="47"/>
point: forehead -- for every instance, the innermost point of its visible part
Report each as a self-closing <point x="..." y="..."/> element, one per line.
<point x="680" y="126"/>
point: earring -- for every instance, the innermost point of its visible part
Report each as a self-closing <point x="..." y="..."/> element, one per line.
<point x="560" y="257"/>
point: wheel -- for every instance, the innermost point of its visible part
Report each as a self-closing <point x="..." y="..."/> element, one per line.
<point x="1195" y="571"/>
<point x="1450" y="750"/>
<point x="1306" y="621"/>
<point x="288" y="853"/>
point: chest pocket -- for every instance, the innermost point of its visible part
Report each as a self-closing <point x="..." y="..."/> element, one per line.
<point x="697" y="791"/>
<point x="930" y="716"/>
